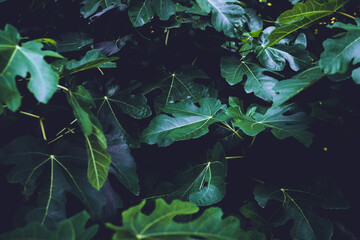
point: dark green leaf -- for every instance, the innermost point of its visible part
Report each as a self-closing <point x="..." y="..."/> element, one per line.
<point x="235" y="70"/>
<point x="140" y="12"/>
<point x="72" y="228"/>
<point x="164" y="8"/>
<point x="341" y="52"/>
<point x="250" y="212"/>
<point x="301" y="15"/>
<point x="298" y="205"/>
<point x="91" y="6"/>
<point x="92" y="59"/>
<point x="73" y="41"/>
<point x="286" y="89"/>
<point x="160" y="225"/>
<point x="18" y="60"/>
<point x="291" y="124"/>
<point x="274" y="57"/>
<point x="227" y="15"/>
<point x="187" y="121"/>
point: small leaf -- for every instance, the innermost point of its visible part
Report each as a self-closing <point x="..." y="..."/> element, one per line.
<point x="91" y="6"/>
<point x="235" y="70"/>
<point x="286" y="89"/>
<point x="92" y="59"/>
<point x="164" y="9"/>
<point x="140" y="12"/>
<point x="160" y="224"/>
<point x="298" y="204"/>
<point x="72" y="228"/>
<point x="73" y="41"/>
<point x="18" y="60"/>
<point x="293" y="124"/>
<point x="341" y="52"/>
<point x="274" y="57"/>
<point x="227" y="15"/>
<point x="301" y="15"/>
<point x="187" y="121"/>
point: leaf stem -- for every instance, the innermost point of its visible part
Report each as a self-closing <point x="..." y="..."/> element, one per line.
<point x="30" y="114"/>
<point x="233" y="130"/>
<point x="235" y="157"/>
<point x="347" y="15"/>
<point x="63" y="88"/>
<point x="42" y="129"/>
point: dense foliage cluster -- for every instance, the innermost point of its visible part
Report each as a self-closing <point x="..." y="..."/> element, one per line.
<point x="130" y="119"/>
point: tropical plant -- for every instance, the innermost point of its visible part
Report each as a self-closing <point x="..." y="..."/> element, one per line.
<point x="131" y="119"/>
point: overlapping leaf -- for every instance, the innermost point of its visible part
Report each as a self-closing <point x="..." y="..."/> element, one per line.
<point x="91" y="6"/>
<point x="275" y="57"/>
<point x="71" y="228"/>
<point x="164" y="8"/>
<point x="203" y="184"/>
<point x="73" y="41"/>
<point x="179" y="86"/>
<point x="286" y="89"/>
<point x="140" y="12"/>
<point x="341" y="52"/>
<point x="227" y="16"/>
<point x="187" y="121"/>
<point x="99" y="160"/>
<point x="16" y="60"/>
<point x="235" y="70"/>
<point x="65" y="168"/>
<point x="301" y="15"/>
<point x="92" y="59"/>
<point x="298" y="205"/>
<point x="282" y="121"/>
<point x="160" y="224"/>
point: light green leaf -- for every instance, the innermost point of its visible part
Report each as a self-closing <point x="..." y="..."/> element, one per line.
<point x="187" y="121"/>
<point x="235" y="70"/>
<point x="341" y="52"/>
<point x="287" y="89"/>
<point x="164" y="9"/>
<point x="53" y="172"/>
<point x="301" y="15"/>
<point x="99" y="158"/>
<point x="140" y="12"/>
<point x="92" y="59"/>
<point x="298" y="203"/>
<point x="71" y="228"/>
<point x="293" y="124"/>
<point x="91" y="6"/>
<point x="275" y="56"/>
<point x="73" y="41"/>
<point x="16" y="60"/>
<point x="203" y="184"/>
<point x="227" y="15"/>
<point x="160" y="225"/>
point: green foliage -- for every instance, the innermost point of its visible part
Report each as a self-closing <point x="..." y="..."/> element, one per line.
<point x="301" y="15"/>
<point x="163" y="99"/>
<point x="298" y="204"/>
<point x="71" y="228"/>
<point x="160" y="223"/>
<point x="19" y="60"/>
<point x="340" y="52"/>
<point x="187" y="121"/>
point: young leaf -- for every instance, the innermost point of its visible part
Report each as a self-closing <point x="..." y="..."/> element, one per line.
<point x="91" y="6"/>
<point x="92" y="59"/>
<point x="275" y="57"/>
<point x="301" y="15"/>
<point x="160" y="225"/>
<point x="282" y="125"/>
<point x="203" y="184"/>
<point x="341" y="52"/>
<point x="66" y="168"/>
<point x="71" y="228"/>
<point x="187" y="121"/>
<point x="286" y="89"/>
<point x="227" y="15"/>
<point x="179" y="86"/>
<point x="235" y="70"/>
<point x="298" y="205"/>
<point x="164" y="9"/>
<point x="140" y="12"/>
<point x="16" y="60"/>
